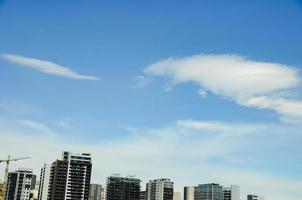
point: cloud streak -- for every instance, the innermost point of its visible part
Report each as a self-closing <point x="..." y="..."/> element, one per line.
<point x="47" y="67"/>
<point x="249" y="83"/>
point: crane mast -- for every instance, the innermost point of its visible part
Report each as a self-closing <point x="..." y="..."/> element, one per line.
<point x="3" y="185"/>
<point x="7" y="161"/>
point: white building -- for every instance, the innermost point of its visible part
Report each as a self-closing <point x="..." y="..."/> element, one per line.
<point x="160" y="189"/>
<point x="78" y="175"/>
<point x="189" y="192"/>
<point x="176" y="196"/>
<point x="231" y="193"/>
<point x="19" y="184"/>
<point x="44" y="182"/>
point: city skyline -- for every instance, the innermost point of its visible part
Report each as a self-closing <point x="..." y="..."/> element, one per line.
<point x="62" y="179"/>
<point x="198" y="92"/>
<point x="69" y="177"/>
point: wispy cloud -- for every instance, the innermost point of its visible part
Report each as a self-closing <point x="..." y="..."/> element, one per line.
<point x="47" y="67"/>
<point x="13" y="107"/>
<point x="63" y="123"/>
<point x="250" y="83"/>
<point x="141" y="81"/>
<point x="36" y="126"/>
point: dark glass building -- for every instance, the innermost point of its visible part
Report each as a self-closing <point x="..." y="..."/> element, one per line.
<point x="143" y="195"/>
<point x="122" y="188"/>
<point x="211" y="191"/>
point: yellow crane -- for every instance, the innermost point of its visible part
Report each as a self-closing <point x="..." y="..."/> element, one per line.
<point x="3" y="185"/>
<point x="7" y="161"/>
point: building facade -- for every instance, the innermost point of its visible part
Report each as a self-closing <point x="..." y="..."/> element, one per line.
<point x="66" y="179"/>
<point x="211" y="191"/>
<point x="231" y="193"/>
<point x="143" y="195"/>
<point x="122" y="188"/>
<point x="44" y="185"/>
<point x="160" y="189"/>
<point x="96" y="192"/>
<point x="19" y="185"/>
<point x="176" y="196"/>
<point x="189" y="192"/>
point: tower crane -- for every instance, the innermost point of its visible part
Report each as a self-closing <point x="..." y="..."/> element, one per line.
<point x="7" y="161"/>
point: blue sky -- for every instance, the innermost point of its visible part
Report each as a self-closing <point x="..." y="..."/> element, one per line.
<point x="244" y="57"/>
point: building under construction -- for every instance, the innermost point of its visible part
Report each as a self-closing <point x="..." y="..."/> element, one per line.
<point x="19" y="185"/>
<point x="3" y="185"/>
<point x="122" y="188"/>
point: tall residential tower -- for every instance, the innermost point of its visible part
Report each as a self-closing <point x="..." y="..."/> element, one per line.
<point x="66" y="179"/>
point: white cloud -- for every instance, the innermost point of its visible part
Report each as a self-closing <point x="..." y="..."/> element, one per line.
<point x="290" y="110"/>
<point x="181" y="151"/>
<point x="141" y="81"/>
<point x="64" y="123"/>
<point x="247" y="82"/>
<point x="33" y="125"/>
<point x="47" y="67"/>
<point x="202" y="93"/>
<point x="222" y="127"/>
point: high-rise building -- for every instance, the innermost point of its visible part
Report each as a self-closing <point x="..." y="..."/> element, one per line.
<point x="66" y="179"/>
<point x="58" y="180"/>
<point x="231" y="193"/>
<point x="176" y="196"/>
<point x="160" y="189"/>
<point x="35" y="191"/>
<point x="189" y="192"/>
<point x="96" y="192"/>
<point x="78" y="176"/>
<point x="44" y="185"/>
<point x="122" y="188"/>
<point x="211" y="191"/>
<point x="254" y="197"/>
<point x="143" y="195"/>
<point x="19" y="184"/>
